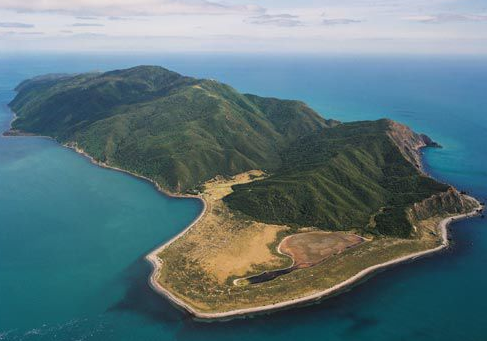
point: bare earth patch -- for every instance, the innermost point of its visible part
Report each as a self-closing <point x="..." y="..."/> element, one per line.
<point x="310" y="248"/>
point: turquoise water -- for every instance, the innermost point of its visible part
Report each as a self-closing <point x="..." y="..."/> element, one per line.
<point x="72" y="235"/>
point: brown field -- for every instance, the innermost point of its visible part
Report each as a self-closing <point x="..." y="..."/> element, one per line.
<point x="199" y="268"/>
<point x="223" y="246"/>
<point x="310" y="248"/>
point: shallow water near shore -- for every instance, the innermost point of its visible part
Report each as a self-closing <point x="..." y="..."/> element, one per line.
<point x="73" y="235"/>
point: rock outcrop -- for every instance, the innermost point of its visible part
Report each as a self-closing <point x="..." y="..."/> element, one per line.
<point x="449" y="202"/>
<point x="410" y="143"/>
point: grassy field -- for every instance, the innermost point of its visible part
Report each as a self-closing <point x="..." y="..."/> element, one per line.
<point x="200" y="267"/>
<point x="220" y="247"/>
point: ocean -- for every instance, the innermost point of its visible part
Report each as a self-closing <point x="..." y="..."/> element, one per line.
<point x="73" y="235"/>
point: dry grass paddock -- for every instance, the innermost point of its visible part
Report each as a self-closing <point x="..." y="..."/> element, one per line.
<point x="200" y="267"/>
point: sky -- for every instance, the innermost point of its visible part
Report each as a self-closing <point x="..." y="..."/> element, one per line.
<point x="250" y="26"/>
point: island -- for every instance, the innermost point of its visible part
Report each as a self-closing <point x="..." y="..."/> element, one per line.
<point x="296" y="207"/>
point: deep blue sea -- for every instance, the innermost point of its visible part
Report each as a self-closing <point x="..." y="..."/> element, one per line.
<point x="73" y="235"/>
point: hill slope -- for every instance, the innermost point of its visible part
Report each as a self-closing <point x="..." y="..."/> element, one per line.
<point x="337" y="179"/>
<point x="182" y="131"/>
<point x="178" y="130"/>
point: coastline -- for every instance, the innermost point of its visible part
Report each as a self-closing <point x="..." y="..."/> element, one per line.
<point x="152" y="257"/>
<point x="156" y="262"/>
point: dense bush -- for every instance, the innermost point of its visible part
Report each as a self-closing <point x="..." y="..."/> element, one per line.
<point x="336" y="179"/>
<point x="182" y="131"/>
<point x="178" y="130"/>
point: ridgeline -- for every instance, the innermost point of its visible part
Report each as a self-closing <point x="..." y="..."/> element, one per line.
<point x="182" y="131"/>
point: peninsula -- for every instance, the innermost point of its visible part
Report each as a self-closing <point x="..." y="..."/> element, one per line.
<point x="296" y="207"/>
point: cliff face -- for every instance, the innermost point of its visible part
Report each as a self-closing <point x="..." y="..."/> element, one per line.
<point x="444" y="203"/>
<point x="409" y="142"/>
<point x="449" y="202"/>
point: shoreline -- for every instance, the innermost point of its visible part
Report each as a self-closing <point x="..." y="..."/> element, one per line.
<point x="156" y="262"/>
<point x="152" y="257"/>
<point x="336" y="289"/>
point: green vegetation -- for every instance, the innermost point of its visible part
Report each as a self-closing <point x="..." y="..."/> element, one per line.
<point x="179" y="131"/>
<point x="182" y="131"/>
<point x="336" y="179"/>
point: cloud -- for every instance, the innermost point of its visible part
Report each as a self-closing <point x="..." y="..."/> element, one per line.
<point x="84" y="17"/>
<point x="129" y="7"/>
<point x="116" y="18"/>
<point x="447" y="18"/>
<point x="82" y="24"/>
<point x="22" y="33"/>
<point x="340" y="21"/>
<point x="15" y="25"/>
<point x="31" y="33"/>
<point x="284" y="20"/>
<point x="89" y="35"/>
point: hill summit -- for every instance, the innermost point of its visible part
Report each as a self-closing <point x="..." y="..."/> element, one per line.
<point x="181" y="132"/>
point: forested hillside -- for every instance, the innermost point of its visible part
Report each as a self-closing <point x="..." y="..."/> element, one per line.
<point x="337" y="179"/>
<point x="178" y="130"/>
<point x="182" y="131"/>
